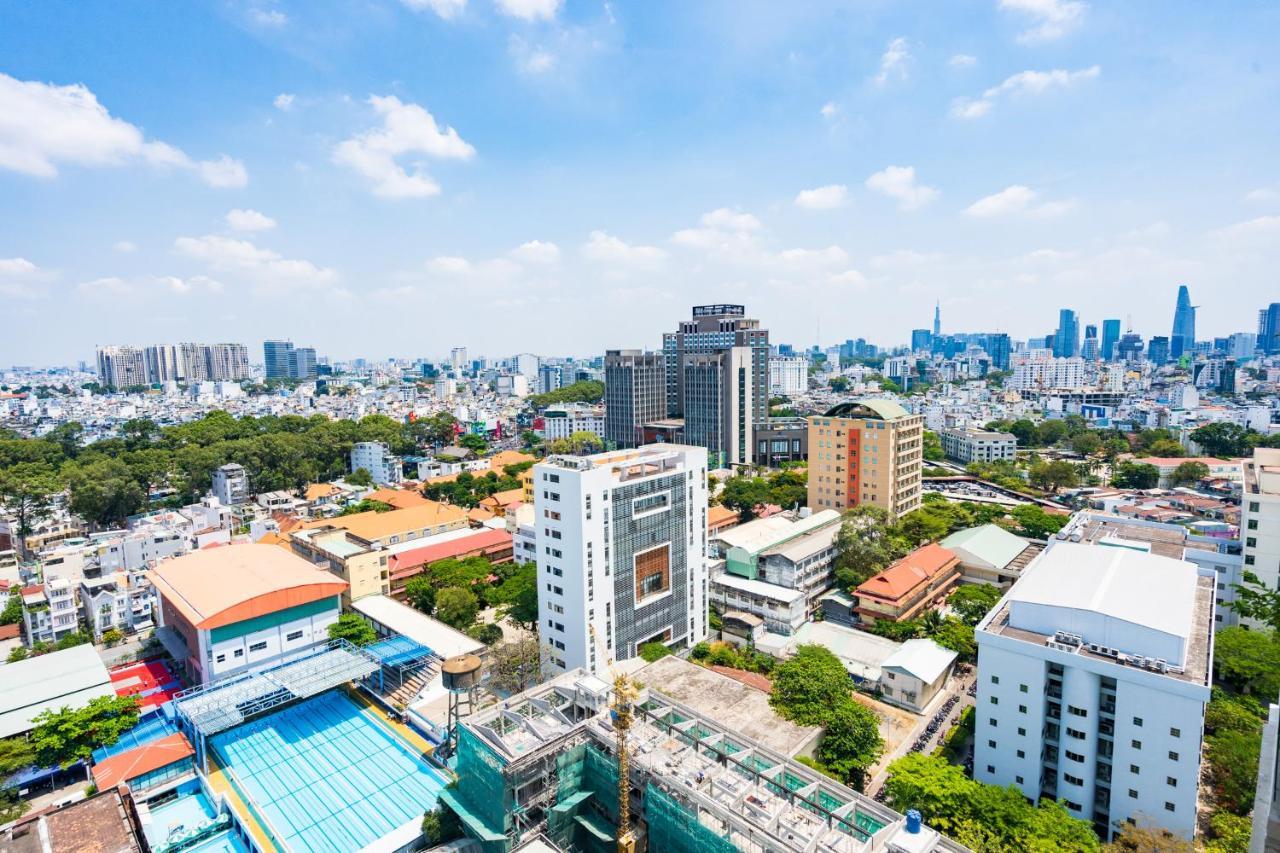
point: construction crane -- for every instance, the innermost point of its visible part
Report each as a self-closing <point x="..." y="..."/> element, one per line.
<point x="622" y="709"/>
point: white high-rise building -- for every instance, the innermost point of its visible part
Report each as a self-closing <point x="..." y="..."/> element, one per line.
<point x="622" y="552"/>
<point x="231" y="484"/>
<point x="1093" y="675"/>
<point x="377" y="459"/>
<point x="1041" y="371"/>
<point x="458" y="359"/>
<point x="788" y="375"/>
<point x="1260" y="518"/>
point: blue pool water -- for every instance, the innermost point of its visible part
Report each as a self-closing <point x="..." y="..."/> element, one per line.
<point x="185" y="813"/>
<point x="326" y="776"/>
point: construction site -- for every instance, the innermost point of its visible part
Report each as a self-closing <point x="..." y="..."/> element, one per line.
<point x="595" y="766"/>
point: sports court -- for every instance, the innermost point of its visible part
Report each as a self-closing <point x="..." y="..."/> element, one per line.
<point x="150" y="680"/>
<point x="325" y="775"/>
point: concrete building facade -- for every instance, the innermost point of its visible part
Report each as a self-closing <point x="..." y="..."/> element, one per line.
<point x="868" y="452"/>
<point x="977" y="445"/>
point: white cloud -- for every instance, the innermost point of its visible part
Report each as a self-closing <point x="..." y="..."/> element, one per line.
<point x="823" y="198"/>
<point x="1016" y="199"/>
<point x="529" y="58"/>
<point x="1264" y="230"/>
<point x="1154" y="231"/>
<point x="606" y="249"/>
<point x="269" y="18"/>
<point x="108" y="284"/>
<point x="17" y="267"/>
<point x="829" y="110"/>
<point x="899" y="182"/>
<point x="249" y="220"/>
<point x="449" y="265"/>
<point x="828" y="257"/>
<point x="1262" y="195"/>
<point x="184" y="286"/>
<point x="893" y="62"/>
<point x="962" y="60"/>
<point x="529" y="10"/>
<point x="722" y="230"/>
<point x="537" y="252"/>
<point x="452" y="265"/>
<point x="125" y="246"/>
<point x="406" y="129"/>
<point x="263" y="266"/>
<point x="117" y="286"/>
<point x="847" y="278"/>
<point x="284" y="102"/>
<point x="1052" y="18"/>
<point x="44" y="126"/>
<point x="1022" y="84"/>
<point x="446" y="9"/>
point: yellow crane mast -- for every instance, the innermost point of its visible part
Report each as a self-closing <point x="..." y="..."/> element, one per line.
<point x="625" y="694"/>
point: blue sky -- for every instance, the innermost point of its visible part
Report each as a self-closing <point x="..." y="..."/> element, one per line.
<point x="396" y="177"/>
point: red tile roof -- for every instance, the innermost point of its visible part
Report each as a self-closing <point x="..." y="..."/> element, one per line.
<point x="129" y="765"/>
<point x="742" y="676"/>
<point x="478" y="541"/>
<point x="9" y="632"/>
<point x="905" y="575"/>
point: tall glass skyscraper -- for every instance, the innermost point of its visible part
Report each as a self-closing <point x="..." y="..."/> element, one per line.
<point x="1110" y="336"/>
<point x="1183" y="338"/>
<point x="1066" y="340"/>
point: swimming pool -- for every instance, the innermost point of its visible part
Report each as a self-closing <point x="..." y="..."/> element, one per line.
<point x="327" y="776"/>
<point x="223" y="842"/>
<point x="178" y="818"/>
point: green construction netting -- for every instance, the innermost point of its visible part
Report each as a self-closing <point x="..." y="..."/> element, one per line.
<point x="585" y="815"/>
<point x="481" y="795"/>
<point x="675" y="829"/>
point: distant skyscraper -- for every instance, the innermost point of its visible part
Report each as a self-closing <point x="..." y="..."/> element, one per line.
<point x="997" y="346"/>
<point x="121" y="367"/>
<point x="275" y="355"/>
<point x="920" y="340"/>
<point x="458" y="358"/>
<point x="1110" y="336"/>
<point x="302" y="363"/>
<point x="937" y="319"/>
<point x="1269" y="329"/>
<point x="1066" y="340"/>
<point x="1089" y="350"/>
<point x="1183" y="338"/>
<point x="1129" y="348"/>
<point x="1158" y="350"/>
<point x="635" y="393"/>
<point x="718" y="381"/>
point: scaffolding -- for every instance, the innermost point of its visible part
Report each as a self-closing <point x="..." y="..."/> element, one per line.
<point x="208" y="709"/>
<point x="399" y="659"/>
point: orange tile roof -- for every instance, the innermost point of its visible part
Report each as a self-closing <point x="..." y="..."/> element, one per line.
<point x="398" y="498"/>
<point x="238" y="582"/>
<point x="504" y="499"/>
<point x="717" y="516"/>
<point x="479" y="515"/>
<point x="918" y="567"/>
<point x="315" y="491"/>
<point x="482" y="540"/>
<point x="503" y="458"/>
<point x="129" y="765"/>
<point x="372" y="526"/>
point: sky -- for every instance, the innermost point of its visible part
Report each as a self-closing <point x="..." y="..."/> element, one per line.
<point x="392" y="178"/>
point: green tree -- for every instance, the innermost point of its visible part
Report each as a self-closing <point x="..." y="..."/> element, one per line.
<point x="1051" y="432"/>
<point x="745" y="494"/>
<point x="68" y="735"/>
<point x="839" y="384"/>
<point x="366" y="505"/>
<point x="851" y="742"/>
<point x="972" y="601"/>
<point x="359" y="477"/>
<point x="475" y="443"/>
<point x="1135" y="475"/>
<point x="955" y="635"/>
<point x="27" y="490"/>
<point x="1248" y="660"/>
<point x="1255" y="601"/>
<point x="1035" y="522"/>
<point x="1086" y="443"/>
<point x="1222" y="439"/>
<point x="1025" y="432"/>
<point x="420" y="594"/>
<point x="12" y="613"/>
<point x="808" y="686"/>
<point x="105" y="492"/>
<point x="457" y="607"/>
<point x="1189" y="473"/>
<point x="354" y="629"/>
<point x="516" y="666"/>
<point x="441" y="825"/>
<point x="519" y="592"/>
<point x="1233" y="769"/>
<point x="1165" y="448"/>
<point x="1231" y="833"/>
<point x="933" y="451"/>
<point x="654" y="651"/>
<point x="864" y="546"/>
<point x="1052" y="476"/>
<point x="111" y="636"/>
<point x="586" y="391"/>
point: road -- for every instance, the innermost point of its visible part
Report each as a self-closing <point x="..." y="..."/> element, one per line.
<point x="958" y="686"/>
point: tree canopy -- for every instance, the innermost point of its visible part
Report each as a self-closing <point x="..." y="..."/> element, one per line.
<point x="1248" y="660"/>
<point x="457" y="607"/>
<point x="68" y="735"/>
<point x="585" y="391"/>
<point x="352" y="628"/>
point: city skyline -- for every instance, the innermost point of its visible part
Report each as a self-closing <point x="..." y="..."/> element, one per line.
<point x="852" y="167"/>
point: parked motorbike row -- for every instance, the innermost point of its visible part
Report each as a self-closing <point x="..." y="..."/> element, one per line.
<point x="935" y="724"/>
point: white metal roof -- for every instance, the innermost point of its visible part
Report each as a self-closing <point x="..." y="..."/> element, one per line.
<point x="1158" y="593"/>
<point x="923" y="659"/>
<point x="764" y="533"/>
<point x="773" y="591"/>
<point x="68" y="677"/>
<point x="419" y="627"/>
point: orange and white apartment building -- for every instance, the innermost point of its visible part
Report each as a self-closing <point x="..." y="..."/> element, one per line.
<point x="868" y="452"/>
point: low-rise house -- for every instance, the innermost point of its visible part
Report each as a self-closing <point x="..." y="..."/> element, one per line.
<point x="120" y="601"/>
<point x="913" y="675"/>
<point x="990" y="554"/>
<point x="967" y="445"/>
<point x="909" y="587"/>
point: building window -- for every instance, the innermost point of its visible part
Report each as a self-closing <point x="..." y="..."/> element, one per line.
<point x="1078" y="735"/>
<point x="1022" y="709"/>
<point x="1137" y="721"/>
<point x="293" y="635"/>
<point x="991" y="744"/>
<point x="995" y="700"/>
<point x="1133" y="795"/>
<point x="221" y="659"/>
<point x="991" y="769"/>
<point x="1175" y="732"/>
<point x="1171" y="782"/>
<point x="1136" y="744"/>
<point x="1022" y="753"/>
<point x="1078" y="712"/>
<point x="995" y="679"/>
<point x="991" y="721"/>
<point x="1018" y="779"/>
<point x="1074" y="780"/>
<point x="1169" y="807"/>
<point x="1173" y="756"/>
<point x="1022" y="731"/>
<point x="239" y="653"/>
<point x="258" y="647"/>
<point x="1134" y="769"/>
<point x="1022" y="688"/>
<point x="653" y="572"/>
<point x="1075" y="756"/>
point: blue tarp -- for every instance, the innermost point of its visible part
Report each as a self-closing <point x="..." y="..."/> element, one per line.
<point x="397" y="651"/>
<point x="32" y="775"/>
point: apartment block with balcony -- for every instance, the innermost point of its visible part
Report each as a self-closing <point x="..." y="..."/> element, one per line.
<point x="1260" y="518"/>
<point x="49" y="611"/>
<point x="1093" y="675"/>
<point x="120" y="601"/>
<point x="977" y="445"/>
<point x="867" y="452"/>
